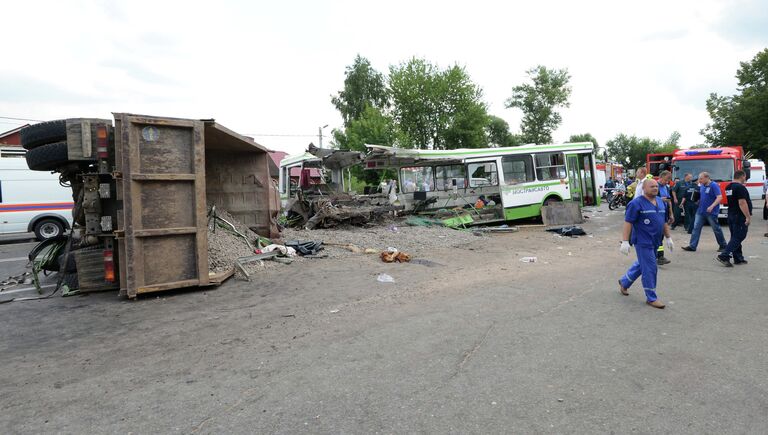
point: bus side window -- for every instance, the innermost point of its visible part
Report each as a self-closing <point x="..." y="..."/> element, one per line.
<point x="483" y="174"/>
<point x="517" y="169"/>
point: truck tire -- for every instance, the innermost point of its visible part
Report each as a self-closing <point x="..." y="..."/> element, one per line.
<point x="48" y="228"/>
<point x="44" y="133"/>
<point x="47" y="157"/>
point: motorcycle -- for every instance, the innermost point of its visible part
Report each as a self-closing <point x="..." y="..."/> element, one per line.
<point x="619" y="199"/>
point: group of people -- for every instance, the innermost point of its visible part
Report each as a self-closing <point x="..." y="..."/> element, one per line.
<point x="657" y="208"/>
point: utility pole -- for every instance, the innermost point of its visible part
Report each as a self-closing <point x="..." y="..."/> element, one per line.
<point x="320" y="135"/>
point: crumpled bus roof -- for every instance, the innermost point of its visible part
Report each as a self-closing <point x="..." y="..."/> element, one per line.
<point x="380" y="156"/>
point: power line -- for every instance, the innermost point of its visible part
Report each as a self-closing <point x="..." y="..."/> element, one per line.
<point x="20" y="119"/>
<point x="281" y="135"/>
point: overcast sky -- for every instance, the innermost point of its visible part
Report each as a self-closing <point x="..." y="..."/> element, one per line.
<point x="270" y="68"/>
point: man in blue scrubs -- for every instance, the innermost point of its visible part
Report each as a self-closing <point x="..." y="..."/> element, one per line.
<point x="645" y="221"/>
<point x="709" y="206"/>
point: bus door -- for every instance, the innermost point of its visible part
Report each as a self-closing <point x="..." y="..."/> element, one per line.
<point x="574" y="178"/>
<point x="589" y="189"/>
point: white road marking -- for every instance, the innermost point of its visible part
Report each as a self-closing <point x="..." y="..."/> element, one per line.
<point x="25" y="289"/>
<point x="5" y="260"/>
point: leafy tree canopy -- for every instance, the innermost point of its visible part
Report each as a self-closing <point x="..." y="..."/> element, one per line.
<point x="742" y="119"/>
<point x="363" y="86"/>
<point x="631" y="150"/>
<point x="499" y="135"/>
<point x="435" y="108"/>
<point x="538" y="100"/>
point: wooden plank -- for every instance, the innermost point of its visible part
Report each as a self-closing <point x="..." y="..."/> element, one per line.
<point x="164" y="231"/>
<point x="201" y="204"/>
<point x="219" y="278"/>
<point x="167" y="286"/>
<point x="163" y="177"/>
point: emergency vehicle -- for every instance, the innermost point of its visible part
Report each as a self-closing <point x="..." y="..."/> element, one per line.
<point x="720" y="163"/>
<point x="756" y="180"/>
<point x="32" y="201"/>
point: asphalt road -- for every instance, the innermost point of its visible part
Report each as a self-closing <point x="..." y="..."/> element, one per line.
<point x="13" y="261"/>
<point x="483" y="344"/>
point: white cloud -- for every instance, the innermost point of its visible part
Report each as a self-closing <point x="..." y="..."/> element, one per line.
<point x="643" y="68"/>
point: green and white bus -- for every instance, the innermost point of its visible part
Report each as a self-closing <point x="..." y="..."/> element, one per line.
<point x="514" y="182"/>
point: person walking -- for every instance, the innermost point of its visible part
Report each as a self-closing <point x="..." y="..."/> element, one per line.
<point x="644" y="221"/>
<point x="664" y="195"/>
<point x="739" y="217"/>
<point x="709" y="206"/>
<point x="678" y="193"/>
<point x="690" y="202"/>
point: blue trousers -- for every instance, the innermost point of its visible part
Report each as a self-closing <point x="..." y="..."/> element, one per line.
<point x="645" y="265"/>
<point x="739" y="229"/>
<point x="690" y="215"/>
<point x="698" y="224"/>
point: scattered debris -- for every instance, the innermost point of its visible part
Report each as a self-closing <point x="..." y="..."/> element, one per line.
<point x="392" y="256"/>
<point x="306" y="247"/>
<point x="417" y="241"/>
<point x="383" y="277"/>
<point x="569" y="231"/>
<point x="331" y="209"/>
<point x="500" y="229"/>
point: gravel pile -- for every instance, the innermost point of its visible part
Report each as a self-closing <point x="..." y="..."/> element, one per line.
<point x="417" y="241"/>
<point x="224" y="247"/>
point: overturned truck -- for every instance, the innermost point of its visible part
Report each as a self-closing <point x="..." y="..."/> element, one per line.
<point x="143" y="187"/>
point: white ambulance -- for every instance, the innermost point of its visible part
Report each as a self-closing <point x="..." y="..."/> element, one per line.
<point x="756" y="179"/>
<point x="32" y="201"/>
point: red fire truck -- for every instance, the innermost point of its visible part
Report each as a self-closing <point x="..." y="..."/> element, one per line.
<point x="720" y="163"/>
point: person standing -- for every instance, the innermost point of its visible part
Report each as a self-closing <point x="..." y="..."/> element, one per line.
<point x="636" y="188"/>
<point x="765" y="202"/>
<point x="709" y="206"/>
<point x="664" y="195"/>
<point x="739" y="217"/>
<point x="690" y="202"/>
<point x="644" y="221"/>
<point x="678" y="193"/>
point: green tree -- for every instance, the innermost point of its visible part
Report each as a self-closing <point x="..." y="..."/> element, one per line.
<point x="742" y="119"/>
<point x="631" y="150"/>
<point x="371" y="127"/>
<point x="436" y="109"/>
<point x="586" y="137"/>
<point x="363" y="86"/>
<point x="499" y="135"/>
<point x="538" y="100"/>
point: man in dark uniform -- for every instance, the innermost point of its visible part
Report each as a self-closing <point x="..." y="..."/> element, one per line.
<point x="690" y="202"/>
<point x="664" y="194"/>
<point x="678" y="193"/>
<point x="739" y="217"/>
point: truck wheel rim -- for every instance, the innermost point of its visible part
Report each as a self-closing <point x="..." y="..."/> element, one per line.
<point x="49" y="230"/>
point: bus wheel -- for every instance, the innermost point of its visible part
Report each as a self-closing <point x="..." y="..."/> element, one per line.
<point x="48" y="228"/>
<point x="552" y="200"/>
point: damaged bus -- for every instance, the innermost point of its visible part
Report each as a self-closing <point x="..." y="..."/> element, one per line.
<point x="492" y="184"/>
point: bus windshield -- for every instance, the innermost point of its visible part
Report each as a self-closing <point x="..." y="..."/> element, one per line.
<point x="719" y="169"/>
